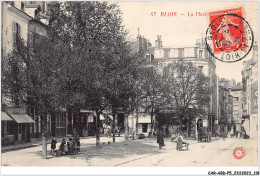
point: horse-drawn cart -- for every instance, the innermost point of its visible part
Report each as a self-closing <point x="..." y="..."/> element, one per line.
<point x="204" y="134"/>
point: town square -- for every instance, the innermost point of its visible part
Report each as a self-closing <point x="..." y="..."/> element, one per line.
<point x="89" y="83"/>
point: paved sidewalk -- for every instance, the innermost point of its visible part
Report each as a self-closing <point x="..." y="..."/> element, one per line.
<point x="38" y="142"/>
<point x="35" y="143"/>
<point x="141" y="152"/>
<point x="109" y="154"/>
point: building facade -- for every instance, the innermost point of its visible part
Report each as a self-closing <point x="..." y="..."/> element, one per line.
<point x="14" y="26"/>
<point x="250" y="95"/>
<point x="221" y="125"/>
<point x="27" y="20"/>
<point x="200" y="57"/>
<point x="237" y="93"/>
<point x="14" y="23"/>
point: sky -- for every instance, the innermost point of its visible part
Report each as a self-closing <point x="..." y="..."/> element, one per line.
<point x="184" y="30"/>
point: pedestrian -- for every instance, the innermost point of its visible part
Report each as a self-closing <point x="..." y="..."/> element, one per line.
<point x="62" y="147"/>
<point x="66" y="149"/>
<point x="109" y="131"/>
<point x="75" y="132"/>
<point x="68" y="146"/>
<point x="73" y="146"/>
<point x="173" y="136"/>
<point x="53" y="145"/>
<point x="119" y="129"/>
<point x="78" y="144"/>
<point x="160" y="139"/>
<point x="154" y="132"/>
<point x="180" y="138"/>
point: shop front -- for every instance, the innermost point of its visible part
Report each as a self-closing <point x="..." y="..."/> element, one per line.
<point x="85" y="123"/>
<point x="21" y="127"/>
<point x="7" y="129"/>
<point x="144" y="124"/>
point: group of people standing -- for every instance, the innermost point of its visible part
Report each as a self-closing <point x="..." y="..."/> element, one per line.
<point x="71" y="147"/>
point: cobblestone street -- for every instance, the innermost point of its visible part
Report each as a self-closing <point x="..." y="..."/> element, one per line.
<point x="143" y="152"/>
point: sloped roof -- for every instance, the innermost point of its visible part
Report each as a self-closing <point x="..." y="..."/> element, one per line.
<point x="236" y="87"/>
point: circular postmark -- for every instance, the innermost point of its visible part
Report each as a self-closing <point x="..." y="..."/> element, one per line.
<point x="229" y="38"/>
<point x="239" y="153"/>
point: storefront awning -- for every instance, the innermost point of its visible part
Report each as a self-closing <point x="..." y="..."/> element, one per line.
<point x="5" y="117"/>
<point x="22" y="118"/>
<point x="144" y="118"/>
<point x="101" y="117"/>
<point x="110" y="116"/>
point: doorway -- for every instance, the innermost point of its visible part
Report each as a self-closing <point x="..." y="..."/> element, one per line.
<point x="144" y="127"/>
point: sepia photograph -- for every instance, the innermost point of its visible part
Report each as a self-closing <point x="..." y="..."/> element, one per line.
<point x="130" y="84"/>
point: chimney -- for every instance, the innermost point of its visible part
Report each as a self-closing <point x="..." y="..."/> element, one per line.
<point x="158" y="42"/>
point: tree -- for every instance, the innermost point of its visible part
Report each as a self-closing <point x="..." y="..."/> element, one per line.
<point x="97" y="38"/>
<point x="32" y="73"/>
<point x="153" y="90"/>
<point x="188" y="90"/>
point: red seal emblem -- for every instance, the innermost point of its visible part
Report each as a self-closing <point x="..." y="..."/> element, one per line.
<point x="239" y="153"/>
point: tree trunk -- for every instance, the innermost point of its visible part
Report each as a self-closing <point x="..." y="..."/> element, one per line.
<point x="114" y="126"/>
<point x="187" y="128"/>
<point x="136" y="125"/>
<point x="44" y="136"/>
<point x="97" y="129"/>
<point x="152" y="120"/>
<point x="126" y="127"/>
<point x="44" y="147"/>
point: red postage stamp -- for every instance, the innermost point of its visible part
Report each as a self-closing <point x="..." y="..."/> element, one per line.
<point x="239" y="153"/>
<point x="229" y="37"/>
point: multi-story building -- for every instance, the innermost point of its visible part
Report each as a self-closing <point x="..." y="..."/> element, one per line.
<point x="250" y="95"/>
<point x="230" y="111"/>
<point x="226" y="123"/>
<point x="200" y="57"/>
<point x="27" y="20"/>
<point x="237" y="93"/>
<point x="221" y="124"/>
<point x="14" y="26"/>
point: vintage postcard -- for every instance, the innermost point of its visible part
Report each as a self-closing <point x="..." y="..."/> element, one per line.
<point x="96" y="83"/>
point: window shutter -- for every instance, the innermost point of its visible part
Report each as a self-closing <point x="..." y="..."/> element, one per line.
<point x="18" y="29"/>
<point x="13" y="32"/>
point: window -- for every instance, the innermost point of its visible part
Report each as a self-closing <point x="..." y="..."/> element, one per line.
<point x="235" y="116"/>
<point x="16" y="29"/>
<point x="200" y="68"/>
<point x="10" y="127"/>
<point x="200" y="53"/>
<point x="20" y="128"/>
<point x="235" y="98"/>
<point x="235" y="108"/>
<point x="60" y="120"/>
<point x="2" y="129"/>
